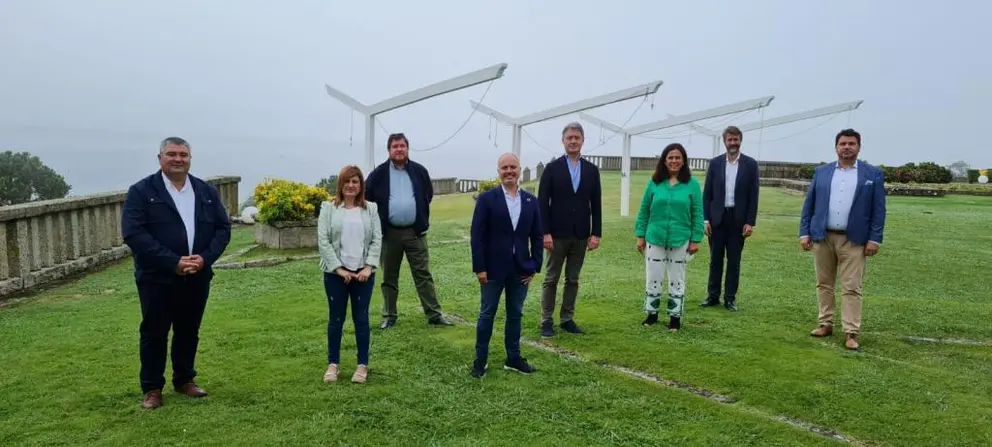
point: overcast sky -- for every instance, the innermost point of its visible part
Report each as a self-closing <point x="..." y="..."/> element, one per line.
<point x="91" y="86"/>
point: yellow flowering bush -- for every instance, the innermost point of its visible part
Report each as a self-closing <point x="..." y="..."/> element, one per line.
<point x="286" y="201"/>
<point x="486" y="185"/>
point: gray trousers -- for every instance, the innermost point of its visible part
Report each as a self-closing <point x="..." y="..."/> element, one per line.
<point x="569" y="253"/>
<point x="395" y="244"/>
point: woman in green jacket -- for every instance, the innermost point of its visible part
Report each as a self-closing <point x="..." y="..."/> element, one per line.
<point x="669" y="226"/>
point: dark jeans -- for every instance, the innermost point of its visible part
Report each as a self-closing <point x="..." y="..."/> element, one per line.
<point x="338" y="295"/>
<point x="516" y="293"/>
<point x="726" y="239"/>
<point x="177" y="306"/>
<point x="569" y="253"/>
<point x="397" y="242"/>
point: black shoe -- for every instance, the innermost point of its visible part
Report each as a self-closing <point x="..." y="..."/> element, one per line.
<point x="674" y="323"/>
<point x="570" y="326"/>
<point x="519" y="365"/>
<point x="479" y="368"/>
<point x="547" y="329"/>
<point x="731" y="304"/>
<point x="650" y="320"/>
<point x="710" y="302"/>
<point x="386" y="324"/>
<point x="440" y="321"/>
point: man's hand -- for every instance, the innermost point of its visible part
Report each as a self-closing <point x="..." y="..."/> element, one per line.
<point x="593" y="243"/>
<point x="549" y="245"/>
<point x="805" y="243"/>
<point x="188" y="265"/>
<point x="707" y="229"/>
<point x="364" y="274"/>
<point x="747" y="230"/>
<point x="871" y="249"/>
<point x="527" y="279"/>
<point x="641" y="244"/>
<point x="693" y="248"/>
<point x="483" y="278"/>
<point x="344" y="274"/>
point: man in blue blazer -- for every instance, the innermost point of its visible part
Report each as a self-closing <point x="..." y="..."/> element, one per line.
<point x="843" y="220"/>
<point x="507" y="244"/>
<point x="176" y="227"/>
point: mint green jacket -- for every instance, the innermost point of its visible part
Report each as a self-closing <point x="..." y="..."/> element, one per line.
<point x="329" y="225"/>
<point x="671" y="215"/>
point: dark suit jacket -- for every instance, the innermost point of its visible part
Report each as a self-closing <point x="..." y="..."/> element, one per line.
<point x="497" y="248"/>
<point x="569" y="214"/>
<point x="745" y="191"/>
<point x="377" y="190"/>
<point x="866" y="221"/>
<point x="152" y="228"/>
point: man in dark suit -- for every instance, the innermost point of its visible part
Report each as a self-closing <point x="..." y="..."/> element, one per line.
<point x="843" y="221"/>
<point x="403" y="191"/>
<point x="572" y="215"/>
<point x="176" y="227"/>
<point x="730" y="209"/>
<point x="506" y="254"/>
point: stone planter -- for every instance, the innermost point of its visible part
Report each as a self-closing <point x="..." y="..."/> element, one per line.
<point x="283" y="235"/>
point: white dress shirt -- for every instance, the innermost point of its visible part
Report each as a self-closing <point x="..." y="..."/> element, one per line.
<point x="730" y="171"/>
<point x="513" y="205"/>
<point x="842" y="187"/>
<point x="185" y="200"/>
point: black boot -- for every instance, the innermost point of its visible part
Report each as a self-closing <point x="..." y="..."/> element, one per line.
<point x="674" y="324"/>
<point x="650" y="320"/>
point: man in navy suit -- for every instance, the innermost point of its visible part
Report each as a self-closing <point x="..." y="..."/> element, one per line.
<point x="176" y="227"/>
<point x="507" y="246"/>
<point x="730" y="209"/>
<point x="842" y="222"/>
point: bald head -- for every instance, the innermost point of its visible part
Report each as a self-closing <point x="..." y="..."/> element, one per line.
<point x="507" y="157"/>
<point x="508" y="168"/>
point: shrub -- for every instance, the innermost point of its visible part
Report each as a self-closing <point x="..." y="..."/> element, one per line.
<point x="973" y="176"/>
<point x="286" y="201"/>
<point x="486" y="185"/>
<point x="805" y="172"/>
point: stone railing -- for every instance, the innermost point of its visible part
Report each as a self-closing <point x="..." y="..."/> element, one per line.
<point x="612" y="163"/>
<point x="446" y="185"/>
<point x="48" y="240"/>
<point x="465" y="185"/>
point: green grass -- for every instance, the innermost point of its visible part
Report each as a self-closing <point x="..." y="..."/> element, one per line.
<point x="70" y="354"/>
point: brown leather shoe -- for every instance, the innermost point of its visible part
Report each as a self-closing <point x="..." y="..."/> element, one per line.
<point x="190" y="389"/>
<point x="851" y="342"/>
<point x="153" y="400"/>
<point x="822" y="331"/>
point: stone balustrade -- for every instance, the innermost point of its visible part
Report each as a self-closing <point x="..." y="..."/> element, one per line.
<point x="48" y="240"/>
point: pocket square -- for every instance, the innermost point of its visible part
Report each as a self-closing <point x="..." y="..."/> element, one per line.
<point x="869" y="182"/>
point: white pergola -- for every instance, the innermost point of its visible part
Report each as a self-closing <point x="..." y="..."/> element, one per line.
<point x="565" y="109"/>
<point x="405" y="99"/>
<point x="717" y="135"/>
<point x="674" y="121"/>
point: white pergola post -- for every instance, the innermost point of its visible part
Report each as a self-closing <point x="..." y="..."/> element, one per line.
<point x="566" y="109"/>
<point x="629" y="132"/>
<point x="777" y="121"/>
<point x="405" y="99"/>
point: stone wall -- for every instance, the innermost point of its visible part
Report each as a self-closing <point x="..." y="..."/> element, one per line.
<point x="48" y="240"/>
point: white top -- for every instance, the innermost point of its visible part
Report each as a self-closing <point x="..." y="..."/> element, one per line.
<point x="185" y="200"/>
<point x="513" y="206"/>
<point x="353" y="239"/>
<point x="842" y="187"/>
<point x="731" y="184"/>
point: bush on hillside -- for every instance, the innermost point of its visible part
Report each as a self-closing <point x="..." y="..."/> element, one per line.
<point x="926" y="172"/>
<point x="287" y="201"/>
<point x="486" y="185"/>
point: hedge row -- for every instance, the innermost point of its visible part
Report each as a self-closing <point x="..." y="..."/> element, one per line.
<point x="926" y="172"/>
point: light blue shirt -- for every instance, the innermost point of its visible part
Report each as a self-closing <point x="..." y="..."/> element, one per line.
<point x="513" y="205"/>
<point x="842" y="187"/>
<point x="575" y="169"/>
<point x="402" y="204"/>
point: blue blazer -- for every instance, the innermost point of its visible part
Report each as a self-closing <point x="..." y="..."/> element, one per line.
<point x="494" y="239"/>
<point x="745" y="190"/>
<point x="152" y="228"/>
<point x="867" y="219"/>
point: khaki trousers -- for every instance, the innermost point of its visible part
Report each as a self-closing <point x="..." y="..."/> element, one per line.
<point x="833" y="257"/>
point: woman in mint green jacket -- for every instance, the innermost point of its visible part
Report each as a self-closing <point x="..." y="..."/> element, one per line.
<point x="349" y="237"/>
<point x="669" y="227"/>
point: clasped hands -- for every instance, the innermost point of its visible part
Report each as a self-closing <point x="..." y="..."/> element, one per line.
<point x="691" y="249"/>
<point x="361" y="276"/>
<point x="189" y="265"/>
<point x="484" y="278"/>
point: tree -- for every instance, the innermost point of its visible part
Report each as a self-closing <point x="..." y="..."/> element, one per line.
<point x="24" y="178"/>
<point x="330" y="184"/>
<point x="959" y="169"/>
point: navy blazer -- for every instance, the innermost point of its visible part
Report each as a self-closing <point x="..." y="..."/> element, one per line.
<point x="152" y="228"/>
<point x="497" y="248"/>
<point x="377" y="191"/>
<point x="566" y="213"/>
<point x="745" y="191"/>
<point x="867" y="219"/>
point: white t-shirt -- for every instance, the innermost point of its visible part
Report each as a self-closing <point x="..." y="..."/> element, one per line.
<point x="353" y="239"/>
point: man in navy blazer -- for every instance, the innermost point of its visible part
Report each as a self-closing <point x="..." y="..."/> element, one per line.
<point x="507" y="244"/>
<point x="730" y="212"/>
<point x="176" y="227"/>
<point x="843" y="220"/>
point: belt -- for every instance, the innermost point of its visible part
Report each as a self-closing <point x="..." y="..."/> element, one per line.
<point x="837" y="231"/>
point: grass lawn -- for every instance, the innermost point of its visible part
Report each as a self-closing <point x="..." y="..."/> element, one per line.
<point x="70" y="355"/>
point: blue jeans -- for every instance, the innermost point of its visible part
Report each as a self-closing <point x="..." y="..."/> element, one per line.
<point x="516" y="293"/>
<point x="338" y="295"/>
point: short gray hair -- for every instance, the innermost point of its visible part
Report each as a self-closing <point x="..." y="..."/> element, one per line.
<point x="176" y="141"/>
<point x="574" y="125"/>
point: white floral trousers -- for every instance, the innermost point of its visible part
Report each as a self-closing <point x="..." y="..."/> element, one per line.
<point x="661" y="262"/>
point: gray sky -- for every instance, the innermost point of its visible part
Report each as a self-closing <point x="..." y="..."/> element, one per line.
<point x="92" y="86"/>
